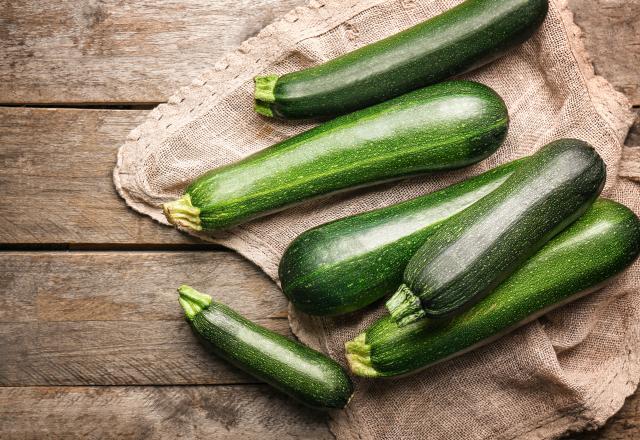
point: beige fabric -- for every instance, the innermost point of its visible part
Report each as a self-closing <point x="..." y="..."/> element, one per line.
<point x="568" y="371"/>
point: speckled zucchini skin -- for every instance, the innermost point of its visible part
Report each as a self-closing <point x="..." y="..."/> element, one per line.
<point x="459" y="40"/>
<point x="448" y="125"/>
<point x="303" y="373"/>
<point x="468" y="256"/>
<point x="601" y="244"/>
<point x="347" y="264"/>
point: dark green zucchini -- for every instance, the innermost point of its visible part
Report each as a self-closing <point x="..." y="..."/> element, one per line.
<point x="302" y="373"/>
<point x="445" y="126"/>
<point x="469" y="255"/>
<point x="601" y="244"/>
<point x="349" y="263"/>
<point x="459" y="40"/>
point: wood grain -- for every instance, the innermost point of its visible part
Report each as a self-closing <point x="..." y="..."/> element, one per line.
<point x="112" y="318"/>
<point x="76" y="319"/>
<point x="56" y="179"/>
<point x="612" y="38"/>
<point x="625" y="425"/>
<point x="220" y="413"/>
<point x="94" y="51"/>
<point x="109" y="51"/>
<point x="633" y="139"/>
<point x="56" y="176"/>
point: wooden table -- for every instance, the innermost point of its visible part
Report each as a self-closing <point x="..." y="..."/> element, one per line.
<point x="92" y="341"/>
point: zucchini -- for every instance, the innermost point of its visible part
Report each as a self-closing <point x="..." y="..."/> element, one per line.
<point x="469" y="255"/>
<point x="344" y="265"/>
<point x="445" y="126"/>
<point x="296" y="370"/>
<point x="602" y="243"/>
<point x="466" y="37"/>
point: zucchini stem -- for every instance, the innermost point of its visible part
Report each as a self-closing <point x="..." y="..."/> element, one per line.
<point x="192" y="301"/>
<point x="264" y="94"/>
<point x="404" y="306"/>
<point x="181" y="212"/>
<point x="358" y="354"/>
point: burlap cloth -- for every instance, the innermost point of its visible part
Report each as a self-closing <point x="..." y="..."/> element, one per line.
<point x="568" y="371"/>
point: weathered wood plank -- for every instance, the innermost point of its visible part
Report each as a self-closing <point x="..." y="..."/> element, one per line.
<point x="633" y="139"/>
<point x="113" y="353"/>
<point x="612" y="37"/>
<point x="221" y="412"/>
<point x="92" y="51"/>
<point x="56" y="179"/>
<point x="69" y="319"/>
<point x="625" y="425"/>
<point x="112" y="318"/>
<point x="80" y="51"/>
<point x="128" y="286"/>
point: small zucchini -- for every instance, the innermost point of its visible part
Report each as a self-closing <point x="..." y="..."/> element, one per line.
<point x="347" y="264"/>
<point x="445" y="126"/>
<point x="473" y="252"/>
<point x="601" y="244"/>
<point x="466" y="37"/>
<point x="296" y="370"/>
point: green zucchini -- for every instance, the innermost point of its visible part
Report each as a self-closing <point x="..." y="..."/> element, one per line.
<point x="296" y="370"/>
<point x="344" y="265"/>
<point x="599" y="245"/>
<point x="468" y="36"/>
<point x="445" y="126"/>
<point x="469" y="255"/>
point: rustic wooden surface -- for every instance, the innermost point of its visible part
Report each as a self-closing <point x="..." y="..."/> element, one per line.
<point x="69" y="318"/>
<point x="97" y="51"/>
<point x="251" y="412"/>
<point x="81" y="273"/>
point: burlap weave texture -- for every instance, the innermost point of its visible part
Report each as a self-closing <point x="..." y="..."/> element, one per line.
<point x="570" y="370"/>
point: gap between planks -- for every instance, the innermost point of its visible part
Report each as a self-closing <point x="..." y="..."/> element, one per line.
<point x="248" y="383"/>
<point x="112" y="247"/>
<point x="87" y="105"/>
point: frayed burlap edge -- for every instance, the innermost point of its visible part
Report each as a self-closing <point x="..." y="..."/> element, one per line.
<point x="253" y="55"/>
<point x="192" y="101"/>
